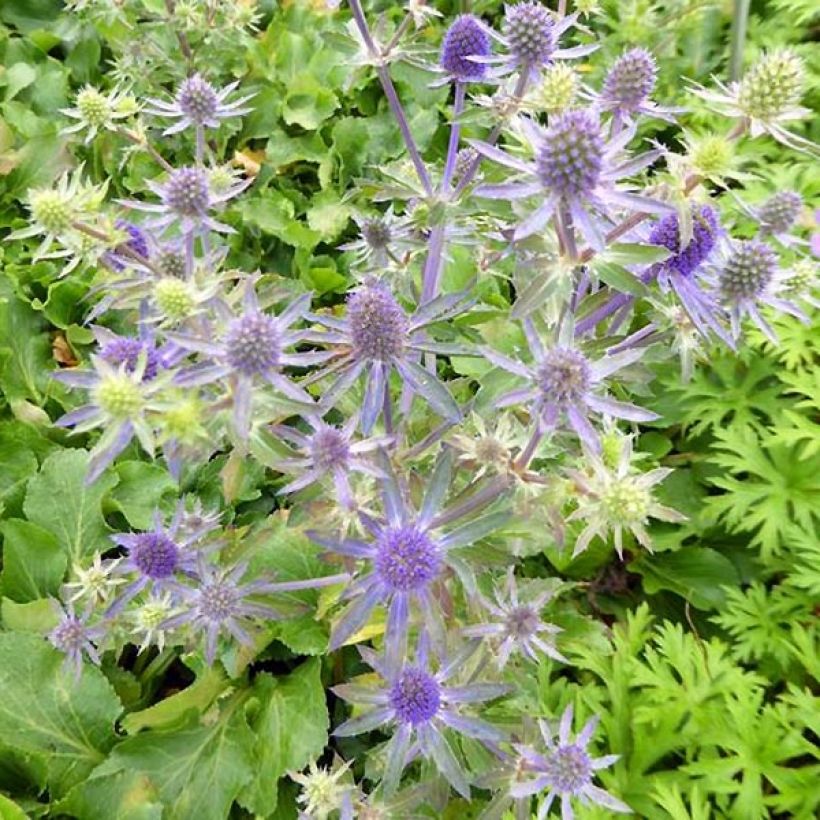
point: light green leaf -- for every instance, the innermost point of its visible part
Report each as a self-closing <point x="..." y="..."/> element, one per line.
<point x="140" y="490"/>
<point x="45" y="710"/>
<point x="307" y="103"/>
<point x="633" y="253"/>
<point x="33" y="562"/>
<point x="124" y="796"/>
<point x="16" y="78"/>
<point x="59" y="500"/>
<point x="9" y="810"/>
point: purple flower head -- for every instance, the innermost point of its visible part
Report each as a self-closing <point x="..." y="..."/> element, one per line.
<point x="517" y="625"/>
<point x="126" y="351"/>
<point x="221" y="603"/>
<point x="778" y="214"/>
<point x="199" y="104"/>
<point x="75" y="638"/>
<point x="328" y="452"/>
<point x="564" y="383"/>
<point x="705" y="234"/>
<point x="565" y="770"/>
<point x="381" y="238"/>
<point x="575" y="172"/>
<point x="467" y="37"/>
<point x="137" y="242"/>
<point x="186" y="193"/>
<point x="570" y="157"/>
<point x="407" y="554"/>
<point x="376" y="337"/>
<point x="421" y="703"/>
<point x="630" y="81"/>
<point x="254" y="346"/>
<point x="529" y="31"/>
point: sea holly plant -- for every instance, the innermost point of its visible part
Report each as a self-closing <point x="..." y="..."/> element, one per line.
<point x="354" y="370"/>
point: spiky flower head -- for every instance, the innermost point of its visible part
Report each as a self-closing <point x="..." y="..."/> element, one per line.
<point x="118" y="395"/>
<point x="631" y="79"/>
<point x="95" y="111"/>
<point x="322" y="790"/>
<point x="415" y="696"/>
<point x="197" y="99"/>
<point x="74" y="637"/>
<point x="174" y="298"/>
<point x="170" y="262"/>
<point x="802" y="277"/>
<point x="53" y="209"/>
<point x="148" y="618"/>
<point x="528" y="29"/>
<point x="93" y="106"/>
<point x="558" y="88"/>
<point x="464" y="159"/>
<point x="406" y="558"/>
<point x="569" y="159"/>
<point x="748" y="270"/>
<point x="186" y="193"/>
<point x="96" y="582"/>
<point x="376" y="233"/>
<point x="563" y="376"/>
<point x="378" y="324"/>
<point x="711" y="155"/>
<point x="772" y="85"/>
<point x="779" y="213"/>
<point x="466" y="37"/>
<point x="253" y="343"/>
<point x="126" y="350"/>
<point x="705" y="232"/>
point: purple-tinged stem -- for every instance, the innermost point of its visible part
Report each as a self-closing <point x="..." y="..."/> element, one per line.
<point x="472" y="168"/>
<point x="455" y="131"/>
<point x="523" y="460"/>
<point x="634" y="339"/>
<point x="392" y="97"/>
<point x="618" y="301"/>
<point x="476" y="501"/>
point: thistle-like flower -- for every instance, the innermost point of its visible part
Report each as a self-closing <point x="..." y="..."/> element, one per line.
<point x="376" y="337"/>
<point x="565" y="770"/>
<point x="767" y="98"/>
<point x="220" y="602"/>
<point x="564" y="383"/>
<point x="136" y="242"/>
<point x="381" y="238"/>
<point x="147" y="620"/>
<point x="199" y="105"/>
<point x="324" y="791"/>
<point x="517" y="624"/>
<point x="530" y="38"/>
<point x="779" y="213"/>
<point x="254" y="346"/>
<point x="682" y="270"/>
<point x="409" y="551"/>
<point x="491" y="447"/>
<point x="76" y="638"/>
<point x="128" y="350"/>
<point x="95" y="111"/>
<point x="748" y="276"/>
<point x="328" y="452"/>
<point x="96" y="583"/>
<point x="617" y="500"/>
<point x="421" y="704"/>
<point x="122" y="402"/>
<point x="466" y="39"/>
<point x="557" y="90"/>
<point x="574" y="171"/>
<point x="628" y="85"/>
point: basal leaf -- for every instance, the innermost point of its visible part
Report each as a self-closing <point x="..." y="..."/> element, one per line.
<point x="33" y="562"/>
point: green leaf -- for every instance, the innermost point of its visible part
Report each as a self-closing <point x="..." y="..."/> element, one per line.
<point x="633" y="253"/>
<point x="59" y="500"/>
<point x="695" y="573"/>
<point x="16" y="78"/>
<point x="38" y="616"/>
<point x="45" y="710"/>
<point x="307" y="103"/>
<point x="33" y="562"/>
<point x="618" y="277"/>
<point x="297" y="700"/>
<point x="124" y="795"/>
<point x="197" y="772"/>
<point x="141" y="490"/>
<point x="9" y="810"/>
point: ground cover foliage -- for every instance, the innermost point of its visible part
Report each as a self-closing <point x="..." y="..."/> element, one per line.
<point x="366" y="460"/>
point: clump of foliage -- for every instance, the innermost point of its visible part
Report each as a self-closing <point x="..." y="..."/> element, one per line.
<point x="408" y="410"/>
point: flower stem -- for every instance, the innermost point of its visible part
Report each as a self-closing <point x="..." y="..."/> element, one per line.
<point x="740" y="18"/>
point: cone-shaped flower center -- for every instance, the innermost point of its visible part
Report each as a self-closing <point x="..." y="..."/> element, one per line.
<point x="522" y="621"/>
<point x="563" y="376"/>
<point x="569" y="159"/>
<point x="376" y="233"/>
<point x="415" y="696"/>
<point x="217" y="601"/>
<point x="329" y="448"/>
<point x="69" y="635"/>
<point x="465" y="38"/>
<point x="126" y="350"/>
<point x="705" y="229"/>
<point x="155" y="554"/>
<point x="119" y="396"/>
<point x="378" y="324"/>
<point x="568" y="769"/>
<point x="52" y="210"/>
<point x="626" y="502"/>
<point x="779" y="212"/>
<point x="197" y="99"/>
<point x="631" y="80"/>
<point x="94" y="107"/>
<point x="529" y="32"/>
<point x="253" y="344"/>
<point x="186" y="192"/>
<point x="772" y="85"/>
<point x="748" y="271"/>
<point x="407" y="559"/>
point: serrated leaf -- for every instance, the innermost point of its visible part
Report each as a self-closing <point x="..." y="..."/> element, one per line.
<point x="45" y="710"/>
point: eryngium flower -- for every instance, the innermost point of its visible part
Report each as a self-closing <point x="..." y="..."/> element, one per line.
<point x="220" y="602"/>
<point x="517" y="626"/>
<point x="380" y="239"/>
<point x="564" y="383"/>
<point x="408" y="553"/>
<point x="557" y="90"/>
<point x="681" y="270"/>
<point x="767" y="98"/>
<point x="618" y="500"/>
<point x="748" y="277"/>
<point x="198" y="104"/>
<point x="377" y="337"/>
<point x="254" y="346"/>
<point x="779" y="213"/>
<point x="96" y="111"/>
<point x="76" y="638"/>
<point x="574" y="170"/>
<point x="128" y="350"/>
<point x="136" y="243"/>
<point x="328" y="452"/>
<point x="566" y="770"/>
<point x="629" y="83"/>
<point x="324" y="791"/>
<point x="421" y="705"/>
<point x="467" y="37"/>
<point x="121" y="402"/>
